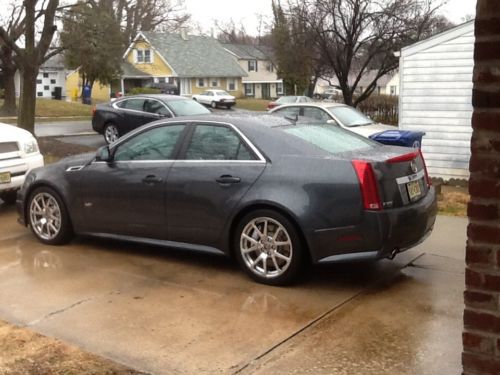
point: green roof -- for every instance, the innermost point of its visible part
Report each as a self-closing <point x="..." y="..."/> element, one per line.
<point x="195" y="56"/>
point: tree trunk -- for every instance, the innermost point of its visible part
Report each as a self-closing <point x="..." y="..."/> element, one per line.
<point x="27" y="102"/>
<point x="347" y="97"/>
<point x="8" y="83"/>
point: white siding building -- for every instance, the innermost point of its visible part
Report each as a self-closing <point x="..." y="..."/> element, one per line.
<point x="436" y="97"/>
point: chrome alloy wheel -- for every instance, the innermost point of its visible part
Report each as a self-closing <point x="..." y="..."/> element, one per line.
<point x="45" y="216"/>
<point x="266" y="247"/>
<point x="111" y="133"/>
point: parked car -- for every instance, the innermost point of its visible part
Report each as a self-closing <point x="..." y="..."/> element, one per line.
<point x="263" y="189"/>
<point x="287" y="100"/>
<point x="351" y="119"/>
<point x="19" y="154"/>
<point x="215" y="98"/>
<point x="118" y="117"/>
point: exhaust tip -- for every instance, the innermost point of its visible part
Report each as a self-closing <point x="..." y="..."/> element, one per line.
<point x="394" y="252"/>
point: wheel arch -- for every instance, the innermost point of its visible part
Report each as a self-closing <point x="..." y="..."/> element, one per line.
<point x="265" y="206"/>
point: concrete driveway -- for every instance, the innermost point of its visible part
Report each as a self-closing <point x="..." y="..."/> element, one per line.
<point x="168" y="311"/>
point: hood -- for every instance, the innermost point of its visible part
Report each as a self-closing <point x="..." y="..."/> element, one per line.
<point x="367" y="130"/>
<point x="11" y="133"/>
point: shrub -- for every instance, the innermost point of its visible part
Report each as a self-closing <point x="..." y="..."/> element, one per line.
<point x="381" y="108"/>
<point x="143" y="90"/>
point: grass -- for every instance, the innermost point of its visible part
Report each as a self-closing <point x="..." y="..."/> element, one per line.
<point x="453" y="201"/>
<point x="60" y="108"/>
<point x="252" y="104"/>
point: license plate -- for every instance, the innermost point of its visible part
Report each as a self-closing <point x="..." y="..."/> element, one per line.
<point x="4" y="177"/>
<point x="414" y="190"/>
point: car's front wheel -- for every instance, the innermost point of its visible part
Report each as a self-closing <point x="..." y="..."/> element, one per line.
<point x="268" y="247"/>
<point x="48" y="217"/>
<point x="213" y="105"/>
<point x="111" y="133"/>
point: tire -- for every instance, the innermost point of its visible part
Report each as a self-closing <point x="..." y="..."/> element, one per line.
<point x="111" y="133"/>
<point x="9" y="197"/>
<point x="48" y="217"/>
<point x="213" y="105"/>
<point x="262" y="264"/>
<point x="195" y="99"/>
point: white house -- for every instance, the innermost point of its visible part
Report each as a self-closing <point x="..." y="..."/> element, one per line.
<point x="388" y="84"/>
<point x="436" y="97"/>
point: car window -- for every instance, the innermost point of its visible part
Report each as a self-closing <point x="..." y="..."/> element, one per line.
<point x="286" y="99"/>
<point x="331" y="138"/>
<point x="316" y="113"/>
<point x="349" y="116"/>
<point x="154" y="106"/>
<point x="290" y="112"/>
<point x="187" y="107"/>
<point x="212" y="142"/>
<point x="221" y="93"/>
<point x="134" y="104"/>
<point x="153" y="144"/>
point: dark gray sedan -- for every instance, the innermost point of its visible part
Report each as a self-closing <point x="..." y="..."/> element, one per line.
<point x="267" y="191"/>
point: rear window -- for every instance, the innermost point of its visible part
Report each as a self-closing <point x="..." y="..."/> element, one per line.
<point x="187" y="108"/>
<point x="287" y="99"/>
<point x="330" y="138"/>
<point x="349" y="116"/>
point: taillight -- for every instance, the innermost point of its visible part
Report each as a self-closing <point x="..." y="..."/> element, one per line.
<point x="403" y="158"/>
<point x="427" y="178"/>
<point x="368" y="185"/>
<point x="93" y="110"/>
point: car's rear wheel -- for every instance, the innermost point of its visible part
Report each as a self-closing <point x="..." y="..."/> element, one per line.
<point x="268" y="247"/>
<point x="9" y="197"/>
<point x="213" y="105"/>
<point x="111" y="133"/>
<point x="48" y="217"/>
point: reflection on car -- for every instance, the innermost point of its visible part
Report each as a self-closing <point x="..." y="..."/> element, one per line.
<point x="118" y="117"/>
<point x="268" y="191"/>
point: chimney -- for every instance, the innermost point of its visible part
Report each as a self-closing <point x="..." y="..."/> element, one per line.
<point x="184" y="33"/>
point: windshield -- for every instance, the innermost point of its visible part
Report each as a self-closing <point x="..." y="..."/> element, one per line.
<point x="349" y="116"/>
<point x="331" y="138"/>
<point x="221" y="92"/>
<point x="287" y="99"/>
<point x="187" y="108"/>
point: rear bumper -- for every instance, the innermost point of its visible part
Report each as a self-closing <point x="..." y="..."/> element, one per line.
<point x="378" y="234"/>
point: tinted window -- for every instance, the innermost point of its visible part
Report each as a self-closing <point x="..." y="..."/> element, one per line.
<point x="154" y="106"/>
<point x="154" y="144"/>
<point x="187" y="108"/>
<point x="349" y="116"/>
<point x="135" y="104"/>
<point x="291" y="112"/>
<point x="316" y="113"/>
<point x="210" y="142"/>
<point x="331" y="138"/>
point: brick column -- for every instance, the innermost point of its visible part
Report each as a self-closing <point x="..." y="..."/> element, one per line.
<point x="481" y="337"/>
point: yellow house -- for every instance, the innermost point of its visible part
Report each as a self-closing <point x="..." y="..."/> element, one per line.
<point x="190" y="64"/>
<point x="100" y="93"/>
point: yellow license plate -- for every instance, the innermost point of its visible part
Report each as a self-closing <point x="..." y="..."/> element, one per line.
<point x="4" y="177"/>
<point x="414" y="191"/>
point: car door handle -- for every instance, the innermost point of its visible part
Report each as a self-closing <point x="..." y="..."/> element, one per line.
<point x="228" y="179"/>
<point x="151" y="180"/>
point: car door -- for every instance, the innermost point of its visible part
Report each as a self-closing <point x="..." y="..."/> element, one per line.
<point x="132" y="112"/>
<point x="126" y="196"/>
<point x="215" y="169"/>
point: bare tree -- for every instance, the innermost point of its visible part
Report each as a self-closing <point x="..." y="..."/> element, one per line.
<point x="33" y="52"/>
<point x="353" y="37"/>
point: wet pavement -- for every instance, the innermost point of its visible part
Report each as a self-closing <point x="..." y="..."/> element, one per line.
<point x="169" y="311"/>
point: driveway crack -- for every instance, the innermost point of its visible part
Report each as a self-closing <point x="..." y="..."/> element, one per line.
<point x="57" y="312"/>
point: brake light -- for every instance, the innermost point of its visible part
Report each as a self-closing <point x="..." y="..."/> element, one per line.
<point x="403" y="158"/>
<point x="368" y="185"/>
<point x="427" y="178"/>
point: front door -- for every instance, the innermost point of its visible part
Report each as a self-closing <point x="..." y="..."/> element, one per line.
<point x="217" y="169"/>
<point x="127" y="196"/>
<point x="266" y="91"/>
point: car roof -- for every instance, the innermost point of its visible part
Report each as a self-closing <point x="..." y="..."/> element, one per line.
<point x="163" y="97"/>
<point x="311" y="104"/>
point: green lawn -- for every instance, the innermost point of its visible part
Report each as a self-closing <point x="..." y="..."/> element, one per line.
<point x="60" y="108"/>
<point x="252" y="104"/>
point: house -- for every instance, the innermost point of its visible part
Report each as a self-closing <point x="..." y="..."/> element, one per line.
<point x="262" y="80"/>
<point x="192" y="63"/>
<point x="74" y="83"/>
<point x="436" y="97"/>
<point x="51" y="78"/>
<point x="388" y="84"/>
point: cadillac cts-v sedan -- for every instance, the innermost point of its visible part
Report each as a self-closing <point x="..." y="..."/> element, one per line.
<point x="265" y="190"/>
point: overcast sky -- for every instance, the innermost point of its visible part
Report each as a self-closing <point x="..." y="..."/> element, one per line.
<point x="205" y="12"/>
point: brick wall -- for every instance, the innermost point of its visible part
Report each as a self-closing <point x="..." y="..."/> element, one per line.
<point x="481" y="337"/>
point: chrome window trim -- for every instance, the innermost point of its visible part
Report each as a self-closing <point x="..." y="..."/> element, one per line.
<point x="179" y="121"/>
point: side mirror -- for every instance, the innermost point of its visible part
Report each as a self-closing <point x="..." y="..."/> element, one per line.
<point x="103" y="154"/>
